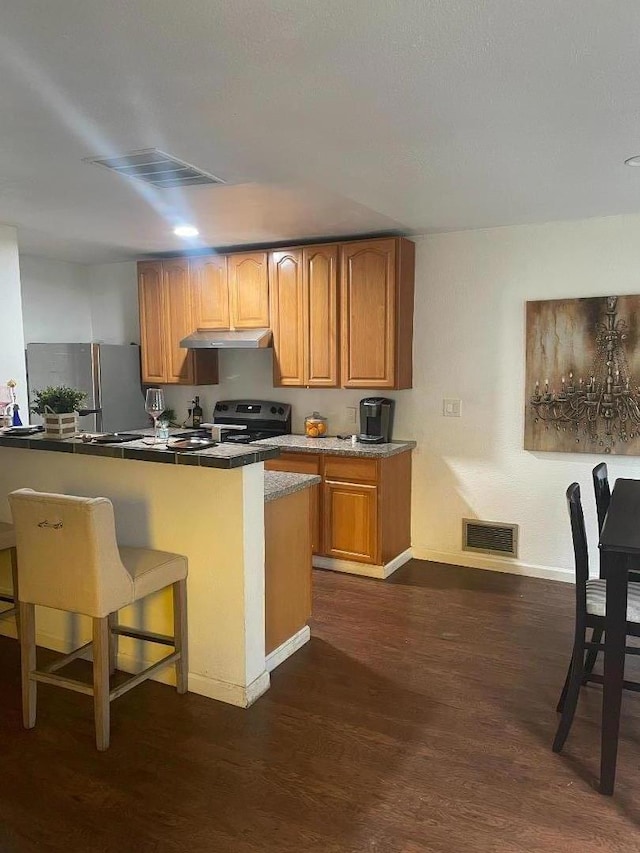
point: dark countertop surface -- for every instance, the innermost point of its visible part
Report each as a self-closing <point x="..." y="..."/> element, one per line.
<point x="220" y="456"/>
<point x="336" y="446"/>
<point x="278" y="484"/>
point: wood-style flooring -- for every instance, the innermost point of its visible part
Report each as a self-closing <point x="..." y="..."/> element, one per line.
<point x="419" y="718"/>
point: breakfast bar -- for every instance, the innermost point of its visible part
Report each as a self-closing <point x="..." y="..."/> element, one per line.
<point x="209" y="506"/>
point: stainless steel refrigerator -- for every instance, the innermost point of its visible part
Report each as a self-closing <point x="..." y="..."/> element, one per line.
<point x="108" y="374"/>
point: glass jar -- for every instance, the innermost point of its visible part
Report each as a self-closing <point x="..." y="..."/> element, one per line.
<point x="315" y="425"/>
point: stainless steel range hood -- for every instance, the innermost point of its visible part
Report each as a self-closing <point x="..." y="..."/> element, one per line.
<point x="241" y="339"/>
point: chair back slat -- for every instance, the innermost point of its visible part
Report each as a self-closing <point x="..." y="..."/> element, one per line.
<point x="580" y="548"/>
<point x="68" y="553"/>
<point x="602" y="491"/>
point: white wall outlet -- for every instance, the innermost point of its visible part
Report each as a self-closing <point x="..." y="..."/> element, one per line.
<point x="352" y="414"/>
<point x="451" y="408"/>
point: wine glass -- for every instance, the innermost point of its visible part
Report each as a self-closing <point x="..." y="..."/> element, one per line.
<point x="154" y="406"/>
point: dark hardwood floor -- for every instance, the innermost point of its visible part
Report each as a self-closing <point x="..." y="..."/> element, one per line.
<point x="419" y="718"/>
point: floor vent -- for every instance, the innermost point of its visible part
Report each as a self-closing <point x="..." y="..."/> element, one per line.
<point x="156" y="168"/>
<point x="489" y="537"/>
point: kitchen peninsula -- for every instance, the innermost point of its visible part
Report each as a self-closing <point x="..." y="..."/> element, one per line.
<point x="216" y="517"/>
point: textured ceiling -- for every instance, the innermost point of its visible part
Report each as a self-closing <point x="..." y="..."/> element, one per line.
<point x="324" y="116"/>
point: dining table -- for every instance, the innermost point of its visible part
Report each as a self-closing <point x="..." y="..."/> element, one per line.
<point x="619" y="551"/>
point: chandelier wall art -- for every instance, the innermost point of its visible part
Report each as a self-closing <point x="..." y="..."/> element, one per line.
<point x="581" y="359"/>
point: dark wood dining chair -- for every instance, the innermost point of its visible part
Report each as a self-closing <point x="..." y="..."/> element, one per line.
<point x="602" y="491"/>
<point x="590" y="611"/>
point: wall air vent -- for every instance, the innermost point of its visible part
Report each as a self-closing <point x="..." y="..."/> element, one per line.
<point x="156" y="168"/>
<point x="489" y="537"/>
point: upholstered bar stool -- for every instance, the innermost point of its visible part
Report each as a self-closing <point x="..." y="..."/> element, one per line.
<point x="8" y="543"/>
<point x="70" y="560"/>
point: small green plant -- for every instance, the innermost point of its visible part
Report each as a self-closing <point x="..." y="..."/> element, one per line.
<point x="60" y="400"/>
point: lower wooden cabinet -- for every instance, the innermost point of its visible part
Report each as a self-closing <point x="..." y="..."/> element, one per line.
<point x="362" y="511"/>
<point x="350" y="526"/>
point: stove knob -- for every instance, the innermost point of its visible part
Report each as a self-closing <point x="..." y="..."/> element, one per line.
<point x="273" y="410"/>
<point x="281" y="411"/>
<point x="225" y="408"/>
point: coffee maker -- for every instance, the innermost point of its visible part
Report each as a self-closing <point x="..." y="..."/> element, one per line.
<point x="376" y="419"/>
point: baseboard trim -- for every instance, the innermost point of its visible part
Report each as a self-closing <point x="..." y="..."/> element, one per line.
<point x="289" y="647"/>
<point x="212" y="688"/>
<point x="495" y="564"/>
<point x="367" y="570"/>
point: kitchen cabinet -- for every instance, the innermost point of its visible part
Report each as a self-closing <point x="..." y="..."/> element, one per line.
<point x="304" y="463"/>
<point x="249" y="290"/>
<point x="210" y="292"/>
<point x="350" y="521"/>
<point x="287" y="318"/>
<point x="304" y="316"/>
<point x="166" y="316"/>
<point x="362" y="510"/>
<point x="376" y="295"/>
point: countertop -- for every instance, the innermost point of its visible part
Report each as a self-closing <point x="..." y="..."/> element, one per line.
<point x="277" y="484"/>
<point x="220" y="456"/>
<point x="335" y="446"/>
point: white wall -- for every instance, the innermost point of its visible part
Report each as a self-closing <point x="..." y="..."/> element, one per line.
<point x="55" y="301"/>
<point x="113" y="294"/>
<point x="12" y="365"/>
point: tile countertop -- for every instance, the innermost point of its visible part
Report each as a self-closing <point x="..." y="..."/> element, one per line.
<point x="220" y="456"/>
<point x="335" y="446"/>
<point x="277" y="484"/>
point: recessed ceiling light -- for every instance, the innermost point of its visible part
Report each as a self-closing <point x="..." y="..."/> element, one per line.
<point x="633" y="161"/>
<point x="185" y="231"/>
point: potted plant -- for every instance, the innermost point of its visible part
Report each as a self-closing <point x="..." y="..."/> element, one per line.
<point x="58" y="407"/>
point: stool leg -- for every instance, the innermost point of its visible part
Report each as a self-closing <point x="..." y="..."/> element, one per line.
<point x="28" y="662"/>
<point x="13" y="556"/>
<point x="180" y="634"/>
<point x="113" y="643"/>
<point x="101" y="681"/>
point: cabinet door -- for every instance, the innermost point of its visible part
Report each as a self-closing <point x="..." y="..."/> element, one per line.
<point x="179" y="320"/>
<point x="249" y="290"/>
<point x="287" y="317"/>
<point x="152" y="325"/>
<point x="368" y="314"/>
<point x="210" y="292"/>
<point x="320" y="284"/>
<point x="350" y="522"/>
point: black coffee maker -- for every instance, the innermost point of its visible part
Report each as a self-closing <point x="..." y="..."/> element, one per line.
<point x="376" y="419"/>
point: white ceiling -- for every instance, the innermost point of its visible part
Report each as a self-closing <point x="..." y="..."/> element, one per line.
<point x="326" y="117"/>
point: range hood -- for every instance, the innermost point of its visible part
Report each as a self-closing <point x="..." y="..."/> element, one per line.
<point x="240" y="339"/>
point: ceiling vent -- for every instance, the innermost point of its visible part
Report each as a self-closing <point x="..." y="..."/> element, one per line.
<point x="156" y="168"/>
<point x="489" y="537"/>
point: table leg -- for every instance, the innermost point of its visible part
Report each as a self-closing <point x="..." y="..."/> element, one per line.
<point x="614" y="654"/>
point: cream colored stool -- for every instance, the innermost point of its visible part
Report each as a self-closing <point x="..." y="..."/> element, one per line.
<point x="70" y="560"/>
<point x="8" y="543"/>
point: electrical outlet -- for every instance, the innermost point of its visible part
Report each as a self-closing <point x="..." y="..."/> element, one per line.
<point x="352" y="413"/>
<point x="451" y="408"/>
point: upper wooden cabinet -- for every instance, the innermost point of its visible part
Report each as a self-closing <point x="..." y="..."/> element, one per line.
<point x="166" y="316"/>
<point x="152" y="321"/>
<point x="287" y="317"/>
<point x="210" y="292"/>
<point x="320" y="289"/>
<point x="304" y="316"/>
<point x="377" y="282"/>
<point x="179" y="320"/>
<point x="249" y="290"/>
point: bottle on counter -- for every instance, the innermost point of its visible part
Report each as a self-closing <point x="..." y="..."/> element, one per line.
<point x="197" y="413"/>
